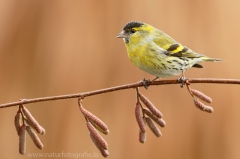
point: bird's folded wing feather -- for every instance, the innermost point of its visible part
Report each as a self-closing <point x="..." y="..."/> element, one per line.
<point x="175" y="49"/>
<point x="179" y="50"/>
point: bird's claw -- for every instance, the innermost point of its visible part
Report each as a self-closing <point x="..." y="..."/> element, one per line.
<point x="182" y="80"/>
<point x="146" y="83"/>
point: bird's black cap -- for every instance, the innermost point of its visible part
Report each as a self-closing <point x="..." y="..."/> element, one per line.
<point x="132" y="25"/>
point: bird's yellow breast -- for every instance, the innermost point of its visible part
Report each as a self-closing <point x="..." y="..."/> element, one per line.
<point x="142" y="56"/>
<point x="137" y="54"/>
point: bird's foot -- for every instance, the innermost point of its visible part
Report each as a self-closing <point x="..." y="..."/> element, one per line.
<point x="182" y="80"/>
<point x="155" y="79"/>
<point x="146" y="83"/>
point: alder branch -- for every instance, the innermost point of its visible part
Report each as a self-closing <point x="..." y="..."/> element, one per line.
<point x="117" y="88"/>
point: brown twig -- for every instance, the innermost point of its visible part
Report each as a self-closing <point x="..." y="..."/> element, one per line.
<point x="122" y="87"/>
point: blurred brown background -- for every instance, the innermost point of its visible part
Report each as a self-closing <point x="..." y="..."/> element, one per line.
<point x="61" y="47"/>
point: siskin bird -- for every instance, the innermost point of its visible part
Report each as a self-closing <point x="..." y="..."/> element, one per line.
<point x="157" y="53"/>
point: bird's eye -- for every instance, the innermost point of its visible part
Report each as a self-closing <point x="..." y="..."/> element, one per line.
<point x="132" y="31"/>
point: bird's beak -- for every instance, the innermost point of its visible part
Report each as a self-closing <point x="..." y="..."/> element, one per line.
<point x="122" y="34"/>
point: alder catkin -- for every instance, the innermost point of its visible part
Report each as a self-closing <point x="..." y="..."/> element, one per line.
<point x="153" y="127"/>
<point x="97" y="136"/>
<point x="159" y="121"/>
<point x="139" y="118"/>
<point x="99" y="129"/>
<point x="97" y="123"/>
<point x="142" y="137"/>
<point x="202" y="107"/>
<point x="201" y="96"/>
<point x="36" y="140"/>
<point x="17" y="121"/>
<point x="32" y="121"/>
<point x="150" y="106"/>
<point x="22" y="140"/>
<point x="103" y="151"/>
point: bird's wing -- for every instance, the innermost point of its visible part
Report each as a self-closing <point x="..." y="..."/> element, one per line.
<point x="173" y="48"/>
<point x="179" y="50"/>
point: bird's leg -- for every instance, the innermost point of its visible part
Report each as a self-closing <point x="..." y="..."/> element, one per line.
<point x="182" y="79"/>
<point x="155" y="79"/>
<point x="146" y="82"/>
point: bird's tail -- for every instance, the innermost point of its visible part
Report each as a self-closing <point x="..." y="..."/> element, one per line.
<point x="210" y="59"/>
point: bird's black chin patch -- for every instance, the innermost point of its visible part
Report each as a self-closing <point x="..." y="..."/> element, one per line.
<point x="126" y="40"/>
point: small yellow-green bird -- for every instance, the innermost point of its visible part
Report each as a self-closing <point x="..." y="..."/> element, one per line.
<point x="155" y="52"/>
